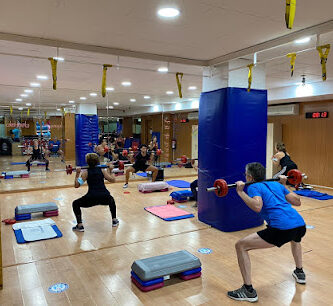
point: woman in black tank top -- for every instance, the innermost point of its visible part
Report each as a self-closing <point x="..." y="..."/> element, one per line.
<point x="97" y="193"/>
<point x="37" y="154"/>
<point x="282" y="158"/>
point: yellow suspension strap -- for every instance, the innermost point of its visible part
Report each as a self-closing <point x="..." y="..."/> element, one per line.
<point x="323" y="58"/>
<point x="249" y="77"/>
<point x="179" y="83"/>
<point x="105" y="68"/>
<point x="54" y="71"/>
<point x="292" y="57"/>
<point x="290" y="13"/>
<point x="45" y="113"/>
<point x="28" y="112"/>
<point x="11" y="110"/>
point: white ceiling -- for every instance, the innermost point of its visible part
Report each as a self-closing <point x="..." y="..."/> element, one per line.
<point x="205" y="30"/>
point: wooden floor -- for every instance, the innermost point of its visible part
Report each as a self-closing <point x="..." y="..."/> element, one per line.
<point x="96" y="264"/>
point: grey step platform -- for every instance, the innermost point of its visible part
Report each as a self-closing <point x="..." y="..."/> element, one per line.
<point x="163" y="265"/>
<point x="32" y="208"/>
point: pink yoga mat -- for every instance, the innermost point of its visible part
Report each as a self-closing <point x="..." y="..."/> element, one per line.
<point x="169" y="212"/>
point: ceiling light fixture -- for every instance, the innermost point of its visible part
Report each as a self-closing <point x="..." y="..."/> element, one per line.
<point x="192" y="87"/>
<point x="169" y="92"/>
<point x="34" y="84"/>
<point x="133" y="100"/>
<point x="23" y="95"/>
<point x="163" y="69"/>
<point x="42" y="77"/>
<point x="58" y="109"/>
<point x="109" y="88"/>
<point x="20" y="108"/>
<point x="302" y="40"/>
<point x="126" y="83"/>
<point x="110" y="107"/>
<point x="71" y="101"/>
<point x="146" y="97"/>
<point x="28" y="104"/>
<point x="83" y="98"/>
<point x="59" y="59"/>
<point x="168" y="12"/>
<point x="28" y="90"/>
<point x="115" y="103"/>
<point x="18" y="100"/>
<point x="93" y="94"/>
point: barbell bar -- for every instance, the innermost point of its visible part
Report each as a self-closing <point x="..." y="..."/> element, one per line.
<point x="69" y="169"/>
<point x="221" y="187"/>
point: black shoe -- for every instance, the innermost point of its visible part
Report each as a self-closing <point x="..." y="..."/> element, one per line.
<point x="47" y="169"/>
<point x="115" y="223"/>
<point x="242" y="294"/>
<point x="77" y="228"/>
<point x="299" y="277"/>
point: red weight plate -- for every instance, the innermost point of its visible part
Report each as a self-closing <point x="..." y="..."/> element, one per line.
<point x="294" y="177"/>
<point x="183" y="159"/>
<point x="222" y="187"/>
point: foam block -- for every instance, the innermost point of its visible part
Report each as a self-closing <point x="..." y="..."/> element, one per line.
<point x="22" y="217"/>
<point x="147" y="288"/>
<point x="153" y="186"/>
<point x="190" y="276"/>
<point x="50" y="213"/>
<point x="147" y="283"/>
<point x="167" y="264"/>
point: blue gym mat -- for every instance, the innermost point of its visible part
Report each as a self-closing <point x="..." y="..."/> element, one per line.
<point x="179" y="183"/>
<point x="314" y="194"/>
<point x="17" y="163"/>
<point x="20" y="238"/>
<point x="143" y="174"/>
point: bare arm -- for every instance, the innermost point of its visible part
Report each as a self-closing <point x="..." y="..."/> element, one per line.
<point x="277" y="157"/>
<point x="108" y="175"/>
<point x="84" y="177"/>
<point x="254" y="203"/>
<point x="293" y="199"/>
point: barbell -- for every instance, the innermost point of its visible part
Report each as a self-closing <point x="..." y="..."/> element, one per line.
<point x="184" y="159"/>
<point x="70" y="169"/>
<point x="221" y="187"/>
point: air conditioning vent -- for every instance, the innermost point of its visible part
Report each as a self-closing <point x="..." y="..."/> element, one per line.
<point x="283" y="110"/>
<point x="193" y="116"/>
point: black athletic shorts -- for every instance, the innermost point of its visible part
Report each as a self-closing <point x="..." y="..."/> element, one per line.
<point x="279" y="237"/>
<point x="142" y="168"/>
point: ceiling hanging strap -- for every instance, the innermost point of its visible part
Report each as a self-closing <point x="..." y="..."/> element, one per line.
<point x="290" y="13"/>
<point x="28" y="112"/>
<point x="292" y="57"/>
<point x="179" y="83"/>
<point x="11" y="109"/>
<point x="54" y="71"/>
<point x="105" y="68"/>
<point x="249" y="77"/>
<point x="323" y="58"/>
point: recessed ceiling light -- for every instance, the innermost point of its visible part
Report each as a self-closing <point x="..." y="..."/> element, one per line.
<point x="109" y="88"/>
<point x="192" y="87"/>
<point x="18" y="100"/>
<point x="42" y="77"/>
<point x="23" y="95"/>
<point x="60" y="59"/>
<point x="28" y="104"/>
<point x="302" y="40"/>
<point x="83" y="98"/>
<point x="163" y="69"/>
<point x="168" y="12"/>
<point x="146" y="97"/>
<point x="115" y="103"/>
<point x="110" y="107"/>
<point x="133" y="100"/>
<point x="126" y="83"/>
<point x="20" y="108"/>
<point x="34" y="84"/>
<point x="93" y="94"/>
<point x="28" y="90"/>
<point x="169" y="92"/>
<point x="58" y="109"/>
<point x="71" y="101"/>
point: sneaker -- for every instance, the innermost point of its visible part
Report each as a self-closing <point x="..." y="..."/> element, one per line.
<point x="47" y="169"/>
<point x="115" y="223"/>
<point x="77" y="228"/>
<point x="299" y="277"/>
<point x="242" y="294"/>
<point x="125" y="186"/>
<point x="195" y="205"/>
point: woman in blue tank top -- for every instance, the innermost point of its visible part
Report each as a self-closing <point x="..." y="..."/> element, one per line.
<point x="273" y="201"/>
<point x="97" y="192"/>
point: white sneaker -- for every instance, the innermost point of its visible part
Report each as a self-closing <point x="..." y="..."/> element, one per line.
<point x="125" y="186"/>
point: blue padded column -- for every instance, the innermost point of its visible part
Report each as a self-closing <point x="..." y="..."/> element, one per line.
<point x="232" y="133"/>
<point x="86" y="130"/>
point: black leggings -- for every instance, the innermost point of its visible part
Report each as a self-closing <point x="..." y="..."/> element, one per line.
<point x="40" y="159"/>
<point x="194" y="186"/>
<point x="93" y="200"/>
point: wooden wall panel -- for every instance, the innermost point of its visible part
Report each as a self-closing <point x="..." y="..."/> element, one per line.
<point x="56" y="124"/>
<point x="127" y="127"/>
<point x="310" y="141"/>
<point x="69" y="133"/>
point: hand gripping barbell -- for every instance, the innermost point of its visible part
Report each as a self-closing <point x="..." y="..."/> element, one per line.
<point x="221" y="187"/>
<point x="70" y="169"/>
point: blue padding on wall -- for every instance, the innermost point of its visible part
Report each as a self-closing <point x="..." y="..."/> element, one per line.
<point x="86" y="130"/>
<point x="232" y="133"/>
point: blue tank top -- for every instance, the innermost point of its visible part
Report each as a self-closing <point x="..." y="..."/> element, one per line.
<point x="95" y="182"/>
